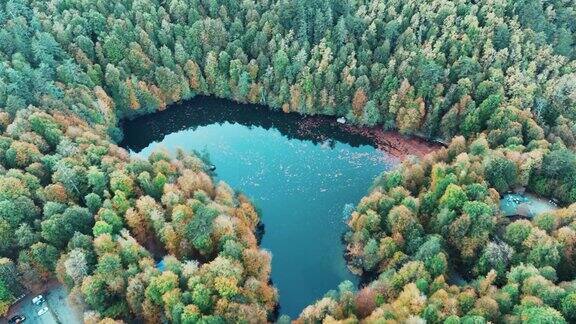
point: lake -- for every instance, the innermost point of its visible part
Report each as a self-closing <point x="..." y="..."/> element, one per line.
<point x="300" y="172"/>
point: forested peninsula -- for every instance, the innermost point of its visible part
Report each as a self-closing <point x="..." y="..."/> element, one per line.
<point x="496" y="79"/>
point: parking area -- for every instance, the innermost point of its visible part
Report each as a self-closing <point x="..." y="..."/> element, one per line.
<point x="59" y="303"/>
<point x="59" y="309"/>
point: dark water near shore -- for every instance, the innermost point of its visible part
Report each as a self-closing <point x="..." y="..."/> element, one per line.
<point x="300" y="180"/>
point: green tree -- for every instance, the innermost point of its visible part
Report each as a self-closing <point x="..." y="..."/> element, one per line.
<point x="371" y="254"/>
<point x="569" y="307"/>
<point x="501" y="173"/>
<point x="371" y="114"/>
<point x="454" y="197"/>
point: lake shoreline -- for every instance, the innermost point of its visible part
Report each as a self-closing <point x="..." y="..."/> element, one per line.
<point x="390" y="141"/>
<point x="310" y="165"/>
<point x="318" y="128"/>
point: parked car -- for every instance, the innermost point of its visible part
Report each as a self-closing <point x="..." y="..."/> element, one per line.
<point x="17" y="319"/>
<point x="38" y="300"/>
<point x="42" y="311"/>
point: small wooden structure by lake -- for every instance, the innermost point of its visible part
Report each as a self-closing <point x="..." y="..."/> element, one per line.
<point x="525" y="205"/>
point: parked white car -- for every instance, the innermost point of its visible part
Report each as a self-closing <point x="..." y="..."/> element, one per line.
<point x="42" y="311"/>
<point x="38" y="300"/>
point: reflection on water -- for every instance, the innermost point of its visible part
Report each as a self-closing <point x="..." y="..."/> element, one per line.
<point x="204" y="111"/>
<point x="301" y="182"/>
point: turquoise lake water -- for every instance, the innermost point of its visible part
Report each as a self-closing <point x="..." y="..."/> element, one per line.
<point x="300" y="181"/>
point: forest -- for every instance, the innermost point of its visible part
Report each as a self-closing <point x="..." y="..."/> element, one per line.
<point x="496" y="79"/>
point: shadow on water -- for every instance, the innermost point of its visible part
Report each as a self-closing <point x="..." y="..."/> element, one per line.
<point x="203" y="111"/>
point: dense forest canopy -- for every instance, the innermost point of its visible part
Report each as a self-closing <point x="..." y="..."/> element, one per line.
<point x="501" y="74"/>
<point x="438" y="68"/>
<point x="432" y="232"/>
<point x="78" y="207"/>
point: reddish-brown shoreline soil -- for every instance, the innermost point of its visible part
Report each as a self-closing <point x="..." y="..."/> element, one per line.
<point x="391" y="142"/>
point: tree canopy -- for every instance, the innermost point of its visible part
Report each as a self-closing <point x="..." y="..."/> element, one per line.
<point x="157" y="240"/>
